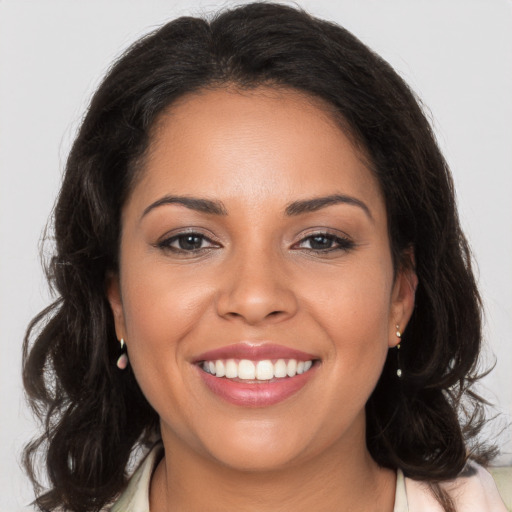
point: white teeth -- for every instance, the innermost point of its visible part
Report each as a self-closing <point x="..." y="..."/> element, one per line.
<point x="256" y="370"/>
<point x="291" y="368"/>
<point x="231" y="369"/>
<point x="280" y="369"/>
<point x="246" y="370"/>
<point x="220" y="369"/>
<point x="264" y="370"/>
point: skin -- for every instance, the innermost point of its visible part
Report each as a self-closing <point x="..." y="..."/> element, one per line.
<point x="257" y="279"/>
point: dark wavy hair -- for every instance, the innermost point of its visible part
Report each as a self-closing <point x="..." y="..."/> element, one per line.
<point x="94" y="416"/>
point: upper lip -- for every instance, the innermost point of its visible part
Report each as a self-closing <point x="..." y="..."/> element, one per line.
<point x="245" y="350"/>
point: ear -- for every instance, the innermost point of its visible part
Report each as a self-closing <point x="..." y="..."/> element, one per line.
<point x="113" y="290"/>
<point x="402" y="298"/>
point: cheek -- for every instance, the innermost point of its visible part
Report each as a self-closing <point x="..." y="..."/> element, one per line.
<point x="161" y="307"/>
<point x="352" y="301"/>
<point x="159" y="301"/>
<point x="366" y="319"/>
<point x="159" y="315"/>
<point x="353" y="310"/>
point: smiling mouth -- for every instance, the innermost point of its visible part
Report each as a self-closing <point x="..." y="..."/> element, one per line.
<point x="265" y="370"/>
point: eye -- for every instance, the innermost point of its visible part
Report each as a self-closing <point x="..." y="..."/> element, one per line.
<point x="187" y="242"/>
<point x="325" y="242"/>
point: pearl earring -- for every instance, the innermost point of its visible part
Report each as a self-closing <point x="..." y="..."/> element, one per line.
<point x="122" y="361"/>
<point x="399" y="336"/>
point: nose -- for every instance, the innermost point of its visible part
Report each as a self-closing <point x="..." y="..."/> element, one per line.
<point x="256" y="289"/>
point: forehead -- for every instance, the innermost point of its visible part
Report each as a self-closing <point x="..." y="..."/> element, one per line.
<point x="250" y="145"/>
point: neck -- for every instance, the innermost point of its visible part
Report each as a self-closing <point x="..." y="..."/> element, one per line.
<point x="343" y="478"/>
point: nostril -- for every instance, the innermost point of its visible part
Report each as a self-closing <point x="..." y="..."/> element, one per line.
<point x="255" y="304"/>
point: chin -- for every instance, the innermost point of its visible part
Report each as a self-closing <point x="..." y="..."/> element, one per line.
<point x="251" y="447"/>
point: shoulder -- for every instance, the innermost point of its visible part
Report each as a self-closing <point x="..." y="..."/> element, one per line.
<point x="474" y="491"/>
<point x="135" y="498"/>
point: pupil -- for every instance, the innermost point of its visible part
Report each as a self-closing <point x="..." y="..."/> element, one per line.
<point x="321" y="242"/>
<point x="190" y="242"/>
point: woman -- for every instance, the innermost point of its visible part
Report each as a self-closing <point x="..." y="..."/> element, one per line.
<point x="262" y="276"/>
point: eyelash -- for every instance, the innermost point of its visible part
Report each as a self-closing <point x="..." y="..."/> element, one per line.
<point x="342" y="243"/>
<point x="166" y="244"/>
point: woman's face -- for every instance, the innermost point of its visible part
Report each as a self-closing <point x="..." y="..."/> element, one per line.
<point x="256" y="240"/>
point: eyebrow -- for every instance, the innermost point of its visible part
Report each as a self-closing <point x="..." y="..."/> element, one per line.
<point x="317" y="203"/>
<point x="209" y="206"/>
<point x="215" y="207"/>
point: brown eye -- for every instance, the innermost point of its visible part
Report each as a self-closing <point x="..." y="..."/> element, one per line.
<point x="319" y="242"/>
<point x="187" y="242"/>
<point x="190" y="242"/>
<point x="325" y="242"/>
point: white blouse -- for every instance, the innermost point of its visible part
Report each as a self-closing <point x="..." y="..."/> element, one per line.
<point x="475" y="493"/>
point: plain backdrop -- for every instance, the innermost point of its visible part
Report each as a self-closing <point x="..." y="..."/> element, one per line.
<point x="456" y="54"/>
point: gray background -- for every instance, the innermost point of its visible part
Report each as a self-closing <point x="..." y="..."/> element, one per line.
<point x="456" y="54"/>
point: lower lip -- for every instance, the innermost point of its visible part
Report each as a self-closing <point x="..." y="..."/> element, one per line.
<point x="254" y="393"/>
